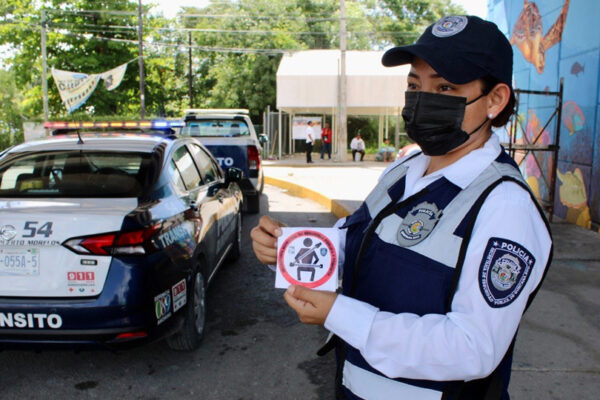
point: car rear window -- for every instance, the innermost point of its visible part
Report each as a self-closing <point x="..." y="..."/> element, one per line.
<point x="216" y="127"/>
<point x="75" y="174"/>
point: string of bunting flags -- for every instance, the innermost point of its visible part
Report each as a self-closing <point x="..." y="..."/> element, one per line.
<point x="76" y="87"/>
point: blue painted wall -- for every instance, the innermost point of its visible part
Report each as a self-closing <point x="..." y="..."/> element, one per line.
<point x="575" y="57"/>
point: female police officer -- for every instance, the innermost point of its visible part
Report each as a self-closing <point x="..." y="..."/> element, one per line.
<point x="446" y="253"/>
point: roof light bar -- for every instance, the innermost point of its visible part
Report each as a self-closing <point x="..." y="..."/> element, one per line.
<point x="152" y="124"/>
<point x="200" y="111"/>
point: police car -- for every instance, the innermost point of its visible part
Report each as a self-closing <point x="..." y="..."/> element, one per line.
<point x="230" y="136"/>
<point x="111" y="239"/>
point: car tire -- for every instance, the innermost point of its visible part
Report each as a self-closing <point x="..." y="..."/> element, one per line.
<point x="236" y="249"/>
<point x="253" y="203"/>
<point x="191" y="333"/>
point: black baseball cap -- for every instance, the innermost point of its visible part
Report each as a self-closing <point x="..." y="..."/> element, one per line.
<point x="461" y="49"/>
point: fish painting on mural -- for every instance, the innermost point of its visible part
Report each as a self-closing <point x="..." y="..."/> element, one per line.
<point x="577" y="68"/>
<point x="528" y="34"/>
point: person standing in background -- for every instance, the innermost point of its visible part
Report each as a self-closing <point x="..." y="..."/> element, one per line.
<point x="310" y="140"/>
<point x="326" y="141"/>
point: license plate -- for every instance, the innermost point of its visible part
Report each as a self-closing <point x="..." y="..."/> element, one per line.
<point x="20" y="261"/>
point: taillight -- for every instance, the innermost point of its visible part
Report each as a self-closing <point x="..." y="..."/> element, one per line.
<point x="253" y="158"/>
<point x="113" y="243"/>
<point x="131" y="335"/>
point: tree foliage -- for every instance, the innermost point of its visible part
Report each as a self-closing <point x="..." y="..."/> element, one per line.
<point x="236" y="48"/>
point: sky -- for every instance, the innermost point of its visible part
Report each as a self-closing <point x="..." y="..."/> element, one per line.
<point x="170" y="7"/>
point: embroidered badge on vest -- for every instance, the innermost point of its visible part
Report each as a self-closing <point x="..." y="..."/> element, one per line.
<point x="418" y="224"/>
<point x="504" y="271"/>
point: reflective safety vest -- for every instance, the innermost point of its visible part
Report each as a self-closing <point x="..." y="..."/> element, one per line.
<point x="406" y="257"/>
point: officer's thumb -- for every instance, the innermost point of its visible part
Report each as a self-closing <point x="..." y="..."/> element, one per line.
<point x="296" y="291"/>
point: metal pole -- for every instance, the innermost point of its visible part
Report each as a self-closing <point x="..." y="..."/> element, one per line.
<point x="141" y="62"/>
<point x="44" y="67"/>
<point x="190" y="79"/>
<point x="343" y="127"/>
<point x="552" y="189"/>
<point x="279" y="126"/>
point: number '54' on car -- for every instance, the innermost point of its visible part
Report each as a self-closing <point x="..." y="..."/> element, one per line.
<point x="112" y="239"/>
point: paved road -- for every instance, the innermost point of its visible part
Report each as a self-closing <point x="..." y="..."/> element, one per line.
<point x="255" y="347"/>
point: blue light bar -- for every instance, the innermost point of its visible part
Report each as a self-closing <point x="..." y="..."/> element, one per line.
<point x="165" y="124"/>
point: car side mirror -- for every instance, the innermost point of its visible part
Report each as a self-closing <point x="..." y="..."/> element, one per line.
<point x="262" y="138"/>
<point x="233" y="174"/>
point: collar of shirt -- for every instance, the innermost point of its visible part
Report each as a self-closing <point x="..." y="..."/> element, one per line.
<point x="462" y="172"/>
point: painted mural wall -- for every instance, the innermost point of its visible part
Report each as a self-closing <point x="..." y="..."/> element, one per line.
<point x="555" y="39"/>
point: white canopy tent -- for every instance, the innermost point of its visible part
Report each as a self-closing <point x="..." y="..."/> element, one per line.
<point x="308" y="83"/>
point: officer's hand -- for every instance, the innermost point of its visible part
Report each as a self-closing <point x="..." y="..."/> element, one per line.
<point x="312" y="306"/>
<point x="264" y="239"/>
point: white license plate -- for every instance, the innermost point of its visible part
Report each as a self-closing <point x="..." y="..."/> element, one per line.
<point x="20" y="261"/>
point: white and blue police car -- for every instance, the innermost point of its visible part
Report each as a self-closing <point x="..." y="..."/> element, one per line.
<point x="230" y="136"/>
<point x="111" y="239"/>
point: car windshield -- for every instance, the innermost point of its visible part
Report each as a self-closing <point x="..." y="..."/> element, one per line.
<point x="216" y="127"/>
<point x="75" y="173"/>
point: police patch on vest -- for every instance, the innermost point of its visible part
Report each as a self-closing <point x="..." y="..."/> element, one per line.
<point x="418" y="224"/>
<point x="504" y="271"/>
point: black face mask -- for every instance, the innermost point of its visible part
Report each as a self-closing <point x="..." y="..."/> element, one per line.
<point x="434" y="121"/>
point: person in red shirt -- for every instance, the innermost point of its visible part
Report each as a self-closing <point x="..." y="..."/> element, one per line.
<point x="326" y="140"/>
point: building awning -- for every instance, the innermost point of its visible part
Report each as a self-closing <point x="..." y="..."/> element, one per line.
<point x="308" y="82"/>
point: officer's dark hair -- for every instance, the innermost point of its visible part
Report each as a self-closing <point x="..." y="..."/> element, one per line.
<point x="489" y="82"/>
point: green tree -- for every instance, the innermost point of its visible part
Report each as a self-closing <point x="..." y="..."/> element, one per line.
<point x="11" y="119"/>
<point x="403" y="21"/>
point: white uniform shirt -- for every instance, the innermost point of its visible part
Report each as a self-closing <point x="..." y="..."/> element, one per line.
<point x="357" y="144"/>
<point x="310" y="132"/>
<point x="471" y="340"/>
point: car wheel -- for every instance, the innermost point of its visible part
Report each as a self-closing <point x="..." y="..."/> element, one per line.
<point x="192" y="331"/>
<point x="253" y="203"/>
<point x="236" y="249"/>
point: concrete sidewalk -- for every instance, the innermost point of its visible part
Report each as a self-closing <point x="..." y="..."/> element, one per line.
<point x="557" y="355"/>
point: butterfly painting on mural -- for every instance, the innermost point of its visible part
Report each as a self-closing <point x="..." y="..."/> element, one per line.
<point x="528" y="34"/>
<point x="573" y="196"/>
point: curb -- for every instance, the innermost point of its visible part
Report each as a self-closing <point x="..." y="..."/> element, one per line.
<point x="333" y="206"/>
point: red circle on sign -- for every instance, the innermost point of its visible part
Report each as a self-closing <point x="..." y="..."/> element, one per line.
<point x="307" y="233"/>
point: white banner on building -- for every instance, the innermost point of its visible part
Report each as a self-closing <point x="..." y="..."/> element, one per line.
<point x="299" y="125"/>
<point x="113" y="78"/>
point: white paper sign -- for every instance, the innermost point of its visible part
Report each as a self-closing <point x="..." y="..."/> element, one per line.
<point x="308" y="257"/>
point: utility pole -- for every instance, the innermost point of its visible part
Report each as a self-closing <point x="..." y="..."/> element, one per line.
<point x="342" y="137"/>
<point x="190" y="79"/>
<point x="44" y="67"/>
<point x="141" y="62"/>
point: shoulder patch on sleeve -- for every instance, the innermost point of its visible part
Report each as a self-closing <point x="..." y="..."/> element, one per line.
<point x="504" y="271"/>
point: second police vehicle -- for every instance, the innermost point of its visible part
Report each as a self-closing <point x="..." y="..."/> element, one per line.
<point x="230" y="136"/>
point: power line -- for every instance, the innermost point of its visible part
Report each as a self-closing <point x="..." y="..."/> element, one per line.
<point x="109" y="12"/>
<point x="124" y="28"/>
<point x="212" y="16"/>
<point x="202" y="48"/>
